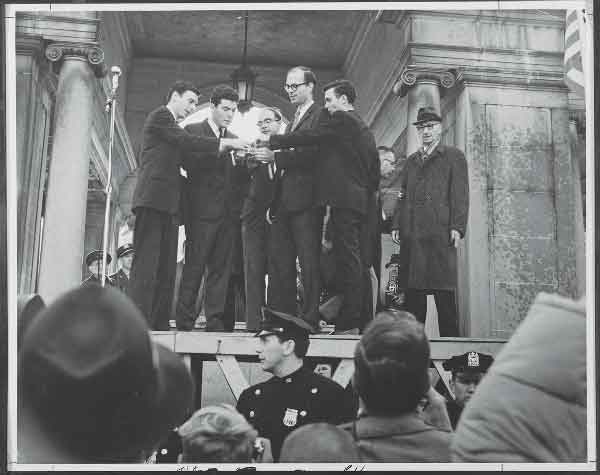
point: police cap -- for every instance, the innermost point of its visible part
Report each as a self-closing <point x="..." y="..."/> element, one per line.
<point x="282" y="324"/>
<point x="471" y="361"/>
<point x="124" y="250"/>
<point x="96" y="256"/>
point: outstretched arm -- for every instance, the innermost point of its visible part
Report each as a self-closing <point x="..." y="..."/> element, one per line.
<point x="329" y="128"/>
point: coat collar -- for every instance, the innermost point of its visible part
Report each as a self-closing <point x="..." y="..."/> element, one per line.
<point x="381" y="426"/>
<point x="305" y="116"/>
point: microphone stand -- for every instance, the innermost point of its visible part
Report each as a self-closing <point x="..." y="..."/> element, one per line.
<point x="111" y="103"/>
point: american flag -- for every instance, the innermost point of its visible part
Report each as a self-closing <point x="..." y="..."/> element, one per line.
<point x="574" y="42"/>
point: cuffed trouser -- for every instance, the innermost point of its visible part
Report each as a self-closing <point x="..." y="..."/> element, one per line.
<point x="346" y="226"/>
<point x="153" y="268"/>
<point x="295" y="235"/>
<point x="254" y="242"/>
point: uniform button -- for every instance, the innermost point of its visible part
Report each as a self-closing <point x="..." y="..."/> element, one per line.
<point x="164" y="452"/>
<point x="251" y="413"/>
<point x="288" y="380"/>
<point x="303" y="413"/>
<point x="257" y="392"/>
<point x="314" y="390"/>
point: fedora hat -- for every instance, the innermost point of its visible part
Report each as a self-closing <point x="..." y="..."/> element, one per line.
<point x="427" y="114"/>
<point x="91" y="375"/>
<point x="124" y="250"/>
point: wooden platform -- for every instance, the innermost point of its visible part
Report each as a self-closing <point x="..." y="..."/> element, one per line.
<point x="229" y="349"/>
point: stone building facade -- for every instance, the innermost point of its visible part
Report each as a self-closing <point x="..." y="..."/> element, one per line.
<point x="496" y="77"/>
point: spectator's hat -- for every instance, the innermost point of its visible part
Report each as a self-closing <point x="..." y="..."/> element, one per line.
<point x="97" y="256"/>
<point x="472" y="361"/>
<point x="427" y="114"/>
<point x="124" y="250"/>
<point x="283" y="324"/>
<point x="91" y="375"/>
<point x="319" y="443"/>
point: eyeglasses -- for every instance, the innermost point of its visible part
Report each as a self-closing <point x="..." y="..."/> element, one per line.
<point x="427" y="126"/>
<point x="293" y="87"/>
<point x="260" y="123"/>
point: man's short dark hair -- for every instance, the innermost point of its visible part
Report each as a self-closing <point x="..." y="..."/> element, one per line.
<point x="309" y="75"/>
<point x="223" y="92"/>
<point x="342" y="87"/>
<point x="391" y="364"/>
<point x="180" y="87"/>
<point x="301" y="343"/>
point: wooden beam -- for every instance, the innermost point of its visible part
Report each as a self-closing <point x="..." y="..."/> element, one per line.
<point x="326" y="346"/>
<point x="233" y="374"/>
<point x="343" y="373"/>
<point x="443" y="375"/>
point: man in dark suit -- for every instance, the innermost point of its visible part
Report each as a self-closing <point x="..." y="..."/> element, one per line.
<point x="156" y="200"/>
<point x="347" y="152"/>
<point x="294" y="215"/>
<point x="429" y="221"/>
<point x="216" y="187"/>
<point x="255" y="228"/>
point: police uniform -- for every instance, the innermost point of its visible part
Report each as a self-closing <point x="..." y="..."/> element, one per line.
<point x="119" y="278"/>
<point x="470" y="362"/>
<point x="95" y="279"/>
<point x="279" y="405"/>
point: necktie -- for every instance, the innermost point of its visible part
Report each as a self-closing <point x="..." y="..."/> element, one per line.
<point x="296" y="118"/>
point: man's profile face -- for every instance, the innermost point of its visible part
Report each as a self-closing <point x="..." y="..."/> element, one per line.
<point x="270" y="352"/>
<point x="222" y="114"/>
<point x="303" y="92"/>
<point x="268" y="123"/>
<point x="95" y="267"/>
<point x="463" y="385"/>
<point x="334" y="103"/>
<point x="429" y="132"/>
<point x="183" y="104"/>
<point x="126" y="261"/>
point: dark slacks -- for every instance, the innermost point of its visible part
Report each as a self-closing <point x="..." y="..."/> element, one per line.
<point x="445" y="302"/>
<point x="209" y="247"/>
<point x="346" y="228"/>
<point x="295" y="235"/>
<point x="153" y="268"/>
<point x="254" y="243"/>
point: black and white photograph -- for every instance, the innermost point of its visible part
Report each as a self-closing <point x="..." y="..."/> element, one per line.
<point x="325" y="236"/>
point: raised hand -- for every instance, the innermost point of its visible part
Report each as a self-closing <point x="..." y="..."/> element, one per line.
<point x="260" y="143"/>
<point x="263" y="155"/>
<point x="237" y="144"/>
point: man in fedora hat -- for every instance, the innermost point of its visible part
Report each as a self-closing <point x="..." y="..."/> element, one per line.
<point x="93" y="387"/>
<point x="94" y="264"/>
<point x="120" y="278"/>
<point x="295" y="395"/>
<point x="429" y="221"/>
<point x="467" y="370"/>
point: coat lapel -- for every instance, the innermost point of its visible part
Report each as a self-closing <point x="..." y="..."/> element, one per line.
<point x="306" y="115"/>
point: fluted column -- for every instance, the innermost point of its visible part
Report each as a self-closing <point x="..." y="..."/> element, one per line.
<point x="64" y="225"/>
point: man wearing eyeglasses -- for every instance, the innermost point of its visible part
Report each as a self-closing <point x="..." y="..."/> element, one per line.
<point x="294" y="216"/>
<point x="429" y="221"/>
<point x="255" y="228"/>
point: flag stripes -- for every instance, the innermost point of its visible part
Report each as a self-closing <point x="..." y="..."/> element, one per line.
<point x="573" y="53"/>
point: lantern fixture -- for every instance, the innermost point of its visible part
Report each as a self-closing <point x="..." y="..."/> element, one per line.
<point x="243" y="78"/>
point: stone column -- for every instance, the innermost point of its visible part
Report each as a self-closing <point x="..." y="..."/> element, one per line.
<point x="576" y="149"/>
<point x="64" y="225"/>
<point x="424" y="87"/>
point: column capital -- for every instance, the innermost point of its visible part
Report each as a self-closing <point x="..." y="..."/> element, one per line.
<point x="410" y="75"/>
<point x="58" y="52"/>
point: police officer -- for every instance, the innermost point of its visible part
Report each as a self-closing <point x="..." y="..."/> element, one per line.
<point x="295" y="395"/>
<point x="124" y="258"/>
<point x="467" y="370"/>
<point x="94" y="263"/>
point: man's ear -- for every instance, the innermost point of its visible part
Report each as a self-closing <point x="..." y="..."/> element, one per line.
<point x="288" y="347"/>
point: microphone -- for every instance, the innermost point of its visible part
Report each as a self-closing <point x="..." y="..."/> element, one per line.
<point x="116" y="72"/>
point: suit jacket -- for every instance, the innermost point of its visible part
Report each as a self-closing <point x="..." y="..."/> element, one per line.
<point x="163" y="144"/>
<point x="347" y="153"/>
<point x="296" y="186"/>
<point x="399" y="439"/>
<point x="260" y="192"/>
<point x="215" y="187"/>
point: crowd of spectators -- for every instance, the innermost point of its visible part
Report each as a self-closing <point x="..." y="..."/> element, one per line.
<point x="94" y="388"/>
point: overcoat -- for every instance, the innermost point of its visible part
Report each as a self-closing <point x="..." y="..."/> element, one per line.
<point x="433" y="199"/>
